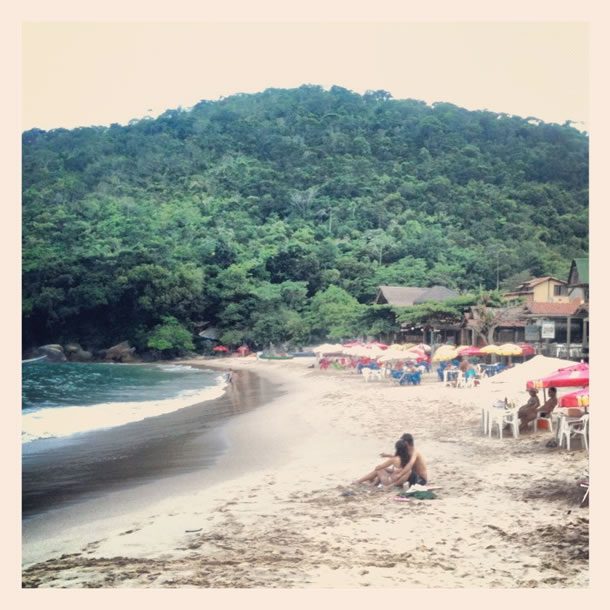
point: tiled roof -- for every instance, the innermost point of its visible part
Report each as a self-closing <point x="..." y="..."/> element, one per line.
<point x="537" y="280"/>
<point x="554" y="309"/>
<point x="530" y="284"/>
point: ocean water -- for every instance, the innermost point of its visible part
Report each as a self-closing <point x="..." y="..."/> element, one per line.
<point x="62" y="399"/>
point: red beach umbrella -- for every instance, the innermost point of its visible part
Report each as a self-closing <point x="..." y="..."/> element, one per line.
<point x="580" y="398"/>
<point x="220" y="348"/>
<point x="470" y="350"/>
<point x="576" y="375"/>
<point x="378" y="344"/>
<point x="528" y="350"/>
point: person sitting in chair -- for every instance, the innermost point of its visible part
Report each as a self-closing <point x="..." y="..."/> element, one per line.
<point x="548" y="407"/>
<point x="529" y="411"/>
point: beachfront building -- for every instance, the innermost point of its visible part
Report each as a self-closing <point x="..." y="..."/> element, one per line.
<point x="547" y="289"/>
<point x="407" y="296"/>
<point x="558" y="329"/>
<point x="578" y="280"/>
<point x="554" y="314"/>
<point x="578" y="290"/>
<point x="504" y="325"/>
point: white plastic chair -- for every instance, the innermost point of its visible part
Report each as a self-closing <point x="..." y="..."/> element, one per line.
<point x="585" y="484"/>
<point x="549" y="419"/>
<point x="570" y="427"/>
<point x="502" y="417"/>
<point x="460" y="381"/>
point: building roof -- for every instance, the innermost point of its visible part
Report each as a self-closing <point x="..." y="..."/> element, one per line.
<point x="554" y="309"/>
<point x="527" y="287"/>
<point x="404" y="296"/>
<point x="582" y="270"/>
<point x="436" y="293"/>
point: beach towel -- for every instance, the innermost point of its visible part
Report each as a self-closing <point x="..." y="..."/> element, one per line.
<point x="418" y="494"/>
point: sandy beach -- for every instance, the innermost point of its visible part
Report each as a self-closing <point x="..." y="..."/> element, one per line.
<point x="280" y="512"/>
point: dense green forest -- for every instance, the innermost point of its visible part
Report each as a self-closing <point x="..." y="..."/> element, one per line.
<point x="275" y="216"/>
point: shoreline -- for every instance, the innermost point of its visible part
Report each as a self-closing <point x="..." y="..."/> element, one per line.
<point x="114" y="471"/>
<point x="283" y="514"/>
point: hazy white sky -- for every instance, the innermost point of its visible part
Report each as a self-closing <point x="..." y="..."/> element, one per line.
<point x="77" y="74"/>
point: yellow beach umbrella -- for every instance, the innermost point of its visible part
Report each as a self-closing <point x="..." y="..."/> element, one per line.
<point x="490" y="349"/>
<point x="509" y="349"/>
<point x="445" y="352"/>
<point x="402" y="346"/>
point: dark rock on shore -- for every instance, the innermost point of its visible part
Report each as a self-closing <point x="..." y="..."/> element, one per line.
<point x="76" y="353"/>
<point x="53" y="352"/>
<point x="121" y="352"/>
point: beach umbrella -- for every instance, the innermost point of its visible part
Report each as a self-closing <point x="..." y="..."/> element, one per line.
<point x="220" y="348"/>
<point x="352" y="343"/>
<point x="445" y="352"/>
<point x="570" y="376"/>
<point x="509" y="349"/>
<point x="489" y="349"/>
<point x="470" y="350"/>
<point x="425" y="347"/>
<point x="329" y="348"/>
<point x="580" y="398"/>
<point x="378" y="344"/>
<point x="528" y="349"/>
<point x="416" y="352"/>
<point x="390" y="355"/>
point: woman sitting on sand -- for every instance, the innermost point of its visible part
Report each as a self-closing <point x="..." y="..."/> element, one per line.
<point x="382" y="475"/>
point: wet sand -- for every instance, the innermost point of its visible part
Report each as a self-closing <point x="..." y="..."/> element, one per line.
<point x="284" y="515"/>
<point x="106" y="472"/>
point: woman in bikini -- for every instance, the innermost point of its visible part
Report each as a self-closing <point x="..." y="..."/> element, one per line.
<point x="383" y="474"/>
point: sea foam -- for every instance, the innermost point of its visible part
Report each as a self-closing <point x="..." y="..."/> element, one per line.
<point x="65" y="421"/>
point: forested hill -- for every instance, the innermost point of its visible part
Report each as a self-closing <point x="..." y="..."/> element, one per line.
<point x="255" y="212"/>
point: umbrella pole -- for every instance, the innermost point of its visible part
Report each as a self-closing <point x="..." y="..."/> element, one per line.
<point x="544" y="394"/>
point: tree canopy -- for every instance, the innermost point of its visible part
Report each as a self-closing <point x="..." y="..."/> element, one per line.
<point x="274" y="216"/>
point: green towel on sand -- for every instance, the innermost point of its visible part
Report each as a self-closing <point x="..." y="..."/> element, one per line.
<point x="419" y="495"/>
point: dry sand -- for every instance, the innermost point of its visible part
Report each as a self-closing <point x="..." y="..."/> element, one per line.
<point x="507" y="512"/>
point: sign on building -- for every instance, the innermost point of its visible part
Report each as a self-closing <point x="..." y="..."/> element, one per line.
<point x="532" y="332"/>
<point x="547" y="329"/>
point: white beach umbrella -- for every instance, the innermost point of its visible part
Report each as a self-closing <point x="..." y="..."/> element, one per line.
<point x="391" y="355"/>
<point x="329" y="348"/>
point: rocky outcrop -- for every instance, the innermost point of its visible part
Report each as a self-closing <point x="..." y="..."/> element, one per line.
<point x="121" y="352"/>
<point x="53" y="352"/>
<point x="81" y="355"/>
<point x="76" y="353"/>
